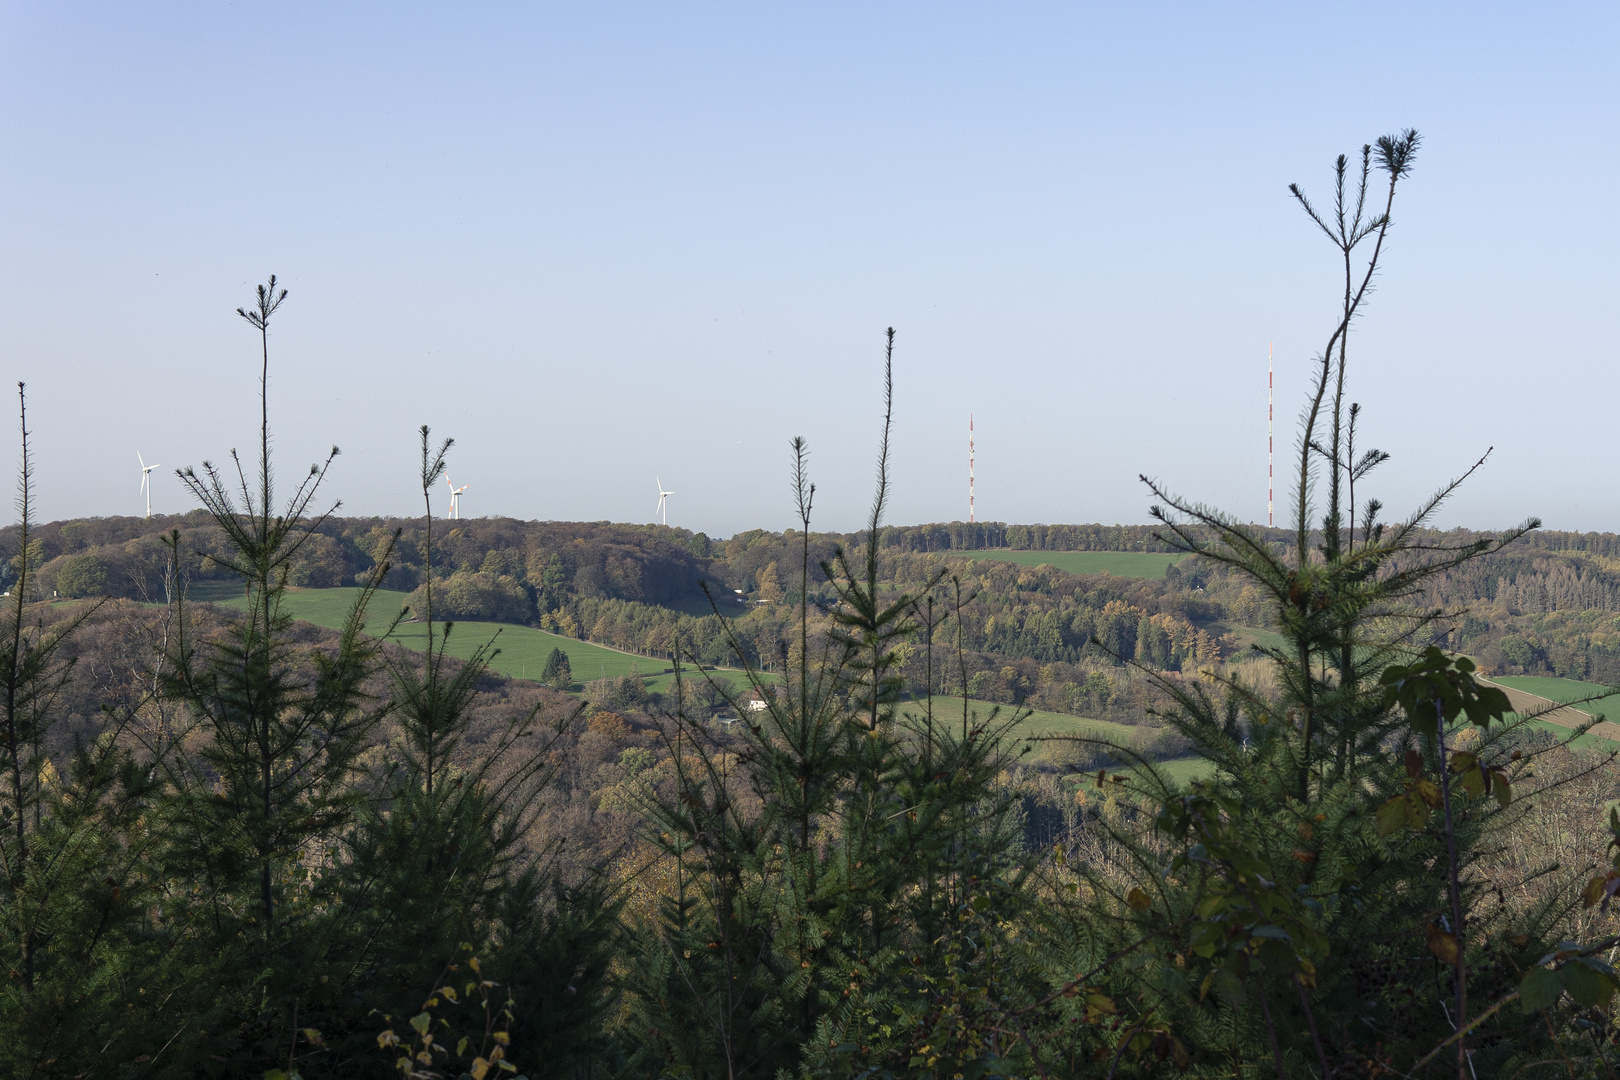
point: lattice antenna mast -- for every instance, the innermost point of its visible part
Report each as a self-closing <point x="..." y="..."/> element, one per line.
<point x="1269" y="478"/>
<point x="970" y="468"/>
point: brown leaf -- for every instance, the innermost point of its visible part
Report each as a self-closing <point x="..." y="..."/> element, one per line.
<point x="1414" y="764"/>
<point x="1138" y="899"/>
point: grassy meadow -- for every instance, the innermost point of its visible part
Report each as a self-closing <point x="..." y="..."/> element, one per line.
<point x="1137" y="564"/>
<point x="523" y="649"/>
<point x="1037" y="724"/>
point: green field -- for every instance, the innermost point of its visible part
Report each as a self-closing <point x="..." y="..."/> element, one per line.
<point x="1588" y="741"/>
<point x="1139" y="564"/>
<point x="1181" y="770"/>
<point x="523" y="648"/>
<point x="1566" y="690"/>
<point x="1038" y="723"/>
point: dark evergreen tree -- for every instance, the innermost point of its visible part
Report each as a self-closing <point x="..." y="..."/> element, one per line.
<point x="73" y="879"/>
<point x="272" y="781"/>
<point x="558" y="672"/>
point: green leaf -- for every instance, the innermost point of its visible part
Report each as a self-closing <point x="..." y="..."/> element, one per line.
<point x="1586" y="984"/>
<point x="421" y="1022"/>
<point x="1228" y="986"/>
<point x="1391" y="816"/>
<point x="1540" y="989"/>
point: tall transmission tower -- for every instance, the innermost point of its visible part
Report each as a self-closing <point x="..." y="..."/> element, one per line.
<point x="1269" y="522"/>
<point x="970" y="468"/>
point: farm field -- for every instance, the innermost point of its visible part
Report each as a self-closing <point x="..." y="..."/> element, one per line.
<point x="1569" y="690"/>
<point x="1253" y="635"/>
<point x="1566" y="690"/>
<point x="523" y="648"/>
<point x="1040" y="723"/>
<point x="1138" y="564"/>
<point x="1182" y="770"/>
<point x="1589" y="741"/>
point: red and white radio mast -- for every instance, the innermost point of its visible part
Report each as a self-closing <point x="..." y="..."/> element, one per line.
<point x="970" y="468"/>
<point x="1269" y="522"/>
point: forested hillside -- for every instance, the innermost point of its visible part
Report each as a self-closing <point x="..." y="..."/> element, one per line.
<point x="1549" y="606"/>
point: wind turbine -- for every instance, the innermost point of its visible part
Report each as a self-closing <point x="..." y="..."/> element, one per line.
<point x="663" y="502"/>
<point x="455" y="498"/>
<point x="146" y="481"/>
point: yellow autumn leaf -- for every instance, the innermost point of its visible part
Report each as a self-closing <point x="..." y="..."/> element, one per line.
<point x="1441" y="943"/>
<point x="1391" y="816"/>
<point x="1138" y="899"/>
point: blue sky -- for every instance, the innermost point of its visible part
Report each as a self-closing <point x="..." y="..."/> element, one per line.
<point x="599" y="243"/>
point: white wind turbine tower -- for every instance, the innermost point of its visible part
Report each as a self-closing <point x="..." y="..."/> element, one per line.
<point x="663" y="502"/>
<point x="146" y="481"/>
<point x="455" y="499"/>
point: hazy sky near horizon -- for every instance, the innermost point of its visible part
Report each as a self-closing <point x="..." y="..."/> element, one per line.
<point x="602" y="243"/>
